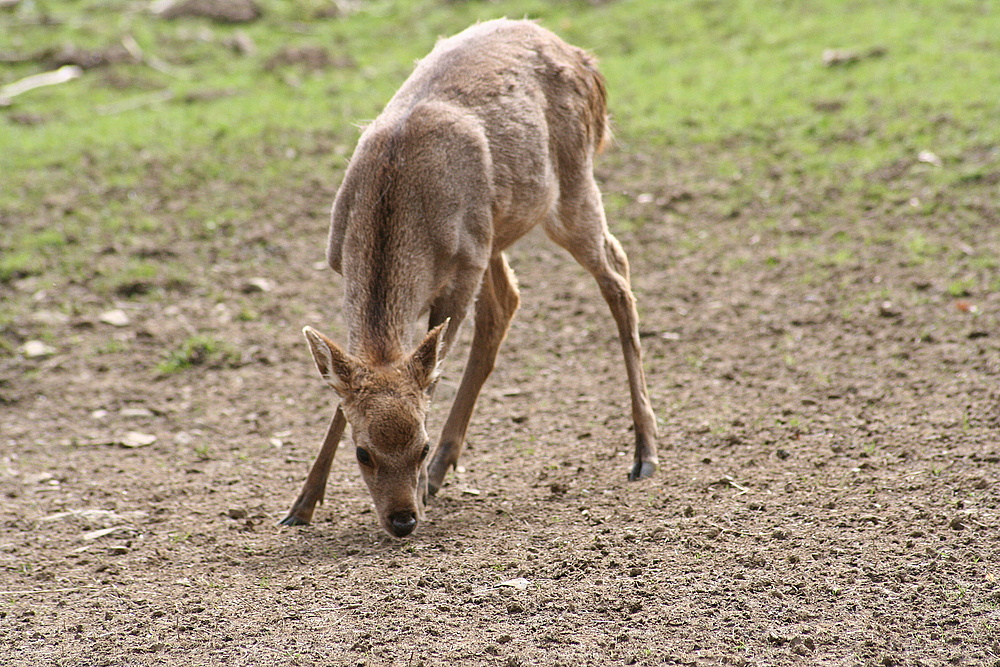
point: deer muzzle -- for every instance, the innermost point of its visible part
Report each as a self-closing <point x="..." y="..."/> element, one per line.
<point x="402" y="523"/>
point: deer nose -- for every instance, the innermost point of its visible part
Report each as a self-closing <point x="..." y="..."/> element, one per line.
<point x="403" y="523"/>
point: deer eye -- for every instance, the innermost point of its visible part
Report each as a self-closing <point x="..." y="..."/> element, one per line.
<point x="364" y="458"/>
<point x="425" y="452"/>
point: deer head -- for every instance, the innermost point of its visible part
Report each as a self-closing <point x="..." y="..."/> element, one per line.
<point x="386" y="406"/>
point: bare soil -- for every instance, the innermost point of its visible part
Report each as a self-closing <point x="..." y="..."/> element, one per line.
<point x="829" y="433"/>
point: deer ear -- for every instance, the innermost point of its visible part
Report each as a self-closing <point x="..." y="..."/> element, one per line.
<point x="425" y="362"/>
<point x="333" y="363"/>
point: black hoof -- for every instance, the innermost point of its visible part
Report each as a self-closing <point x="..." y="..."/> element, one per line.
<point x="641" y="470"/>
<point x="292" y="520"/>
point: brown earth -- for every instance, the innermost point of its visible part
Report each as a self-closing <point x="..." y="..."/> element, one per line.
<point x="828" y="491"/>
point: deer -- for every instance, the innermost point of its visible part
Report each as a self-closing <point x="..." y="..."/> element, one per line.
<point x="493" y="134"/>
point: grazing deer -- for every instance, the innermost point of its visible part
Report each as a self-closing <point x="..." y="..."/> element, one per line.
<point x="494" y="133"/>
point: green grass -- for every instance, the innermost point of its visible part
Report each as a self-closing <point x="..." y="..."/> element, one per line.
<point x="692" y="71"/>
<point x="199" y="351"/>
<point x="733" y="91"/>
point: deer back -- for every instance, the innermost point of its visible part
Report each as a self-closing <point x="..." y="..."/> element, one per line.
<point x="473" y="150"/>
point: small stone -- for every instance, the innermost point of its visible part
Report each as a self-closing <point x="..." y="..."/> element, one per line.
<point x="257" y="285"/>
<point x="236" y="513"/>
<point x="242" y="44"/>
<point x="116" y="318"/>
<point x="802" y="645"/>
<point x="135" y="413"/>
<point x="887" y="309"/>
<point x="928" y="157"/>
<point x="834" y="57"/>
<point x="134" y="439"/>
<point x="34" y="349"/>
<point x="776" y="639"/>
<point x="49" y="317"/>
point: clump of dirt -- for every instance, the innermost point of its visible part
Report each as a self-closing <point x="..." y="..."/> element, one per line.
<point x="222" y="11"/>
<point x="315" y="58"/>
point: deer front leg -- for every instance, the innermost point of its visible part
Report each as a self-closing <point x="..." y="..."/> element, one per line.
<point x="312" y="491"/>
<point x="498" y="300"/>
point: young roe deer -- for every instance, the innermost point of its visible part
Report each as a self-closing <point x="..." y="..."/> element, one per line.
<point x="494" y="133"/>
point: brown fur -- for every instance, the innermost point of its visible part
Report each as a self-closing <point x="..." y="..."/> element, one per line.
<point x="493" y="133"/>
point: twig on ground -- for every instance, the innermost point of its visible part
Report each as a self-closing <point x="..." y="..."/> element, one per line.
<point x="132" y="46"/>
<point x="61" y="75"/>
<point x="136" y="103"/>
<point x="36" y="591"/>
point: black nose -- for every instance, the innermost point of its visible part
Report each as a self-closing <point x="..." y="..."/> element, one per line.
<point x="403" y="523"/>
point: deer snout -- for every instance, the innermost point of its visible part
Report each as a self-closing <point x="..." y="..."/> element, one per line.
<point x="402" y="523"/>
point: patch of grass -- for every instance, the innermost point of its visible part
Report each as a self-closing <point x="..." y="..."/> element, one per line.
<point x="19" y="264"/>
<point x="112" y="346"/>
<point x="135" y="278"/>
<point x="199" y="351"/>
<point x="727" y="103"/>
<point x="920" y="248"/>
<point x="27" y="252"/>
<point x="247" y="314"/>
<point x="843" y="257"/>
<point x="962" y="287"/>
<point x="203" y="451"/>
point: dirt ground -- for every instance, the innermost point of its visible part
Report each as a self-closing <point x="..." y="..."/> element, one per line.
<point x="829" y="434"/>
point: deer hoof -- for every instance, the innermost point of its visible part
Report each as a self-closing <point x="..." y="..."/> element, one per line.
<point x="292" y="520"/>
<point x="641" y="470"/>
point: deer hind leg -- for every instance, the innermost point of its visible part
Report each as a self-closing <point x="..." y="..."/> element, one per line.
<point x="582" y="230"/>
<point x="498" y="300"/>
